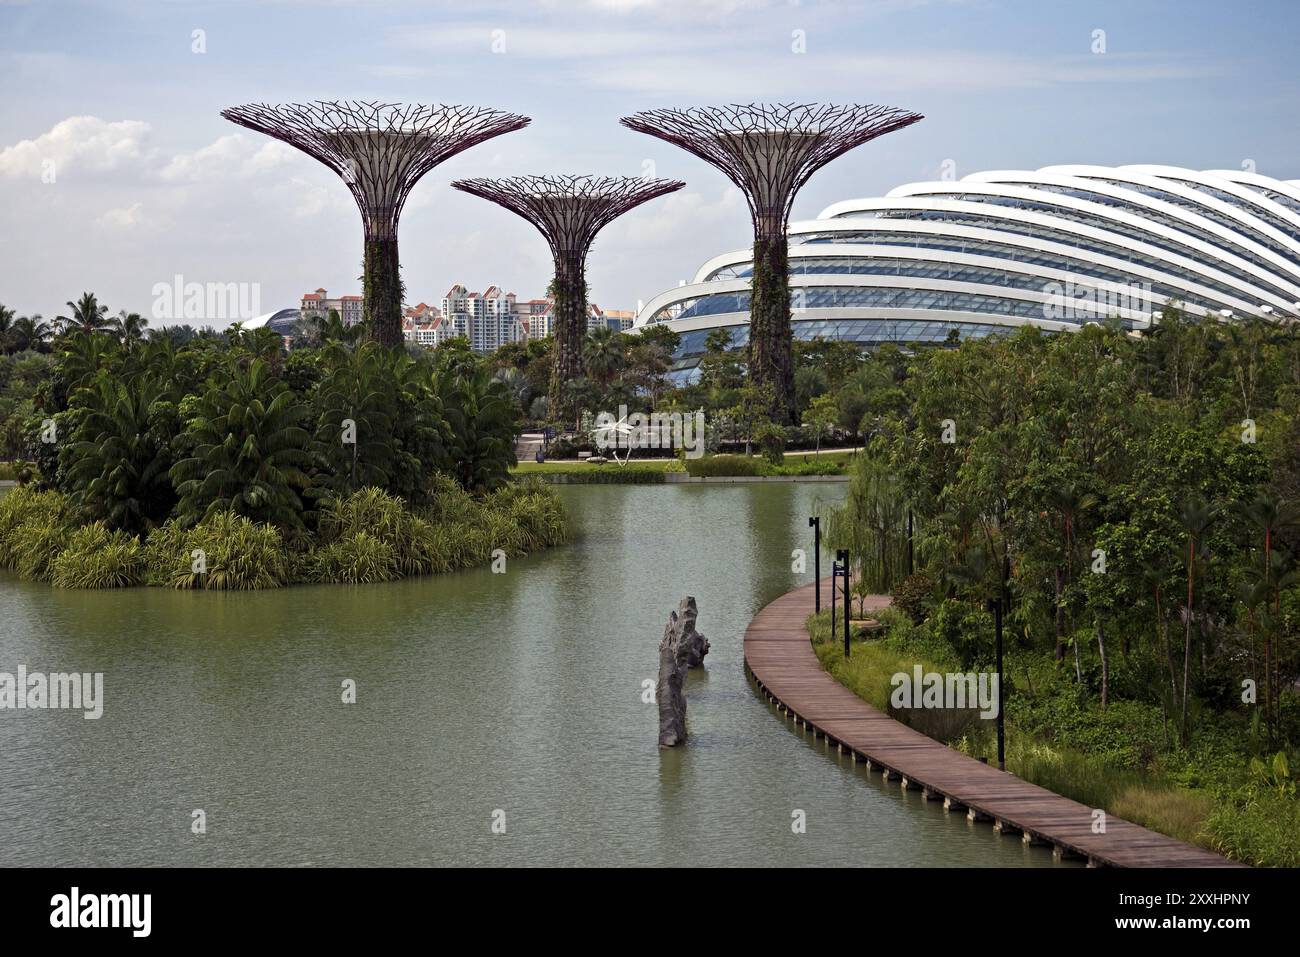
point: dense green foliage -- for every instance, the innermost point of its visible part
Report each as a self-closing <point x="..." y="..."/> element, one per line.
<point x="1131" y="501"/>
<point x="145" y="447"/>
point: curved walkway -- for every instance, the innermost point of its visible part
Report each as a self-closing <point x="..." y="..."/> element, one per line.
<point x="780" y="659"/>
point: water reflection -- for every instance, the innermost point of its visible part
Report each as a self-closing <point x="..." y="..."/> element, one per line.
<point x="475" y="692"/>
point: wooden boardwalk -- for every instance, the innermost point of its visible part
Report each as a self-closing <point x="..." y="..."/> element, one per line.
<point x="780" y="659"/>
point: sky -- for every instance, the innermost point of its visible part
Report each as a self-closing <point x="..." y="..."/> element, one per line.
<point x="117" y="173"/>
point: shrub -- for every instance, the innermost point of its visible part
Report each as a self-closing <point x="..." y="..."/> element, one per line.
<point x="448" y="502"/>
<point x="913" y="596"/>
<point x="98" y="558"/>
<point x="357" y="558"/>
<point x="24" y="506"/>
<point x="238" y="554"/>
<point x="36" y="543"/>
<point x="723" y="465"/>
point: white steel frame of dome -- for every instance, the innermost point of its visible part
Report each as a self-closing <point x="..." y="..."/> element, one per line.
<point x="1213" y="243"/>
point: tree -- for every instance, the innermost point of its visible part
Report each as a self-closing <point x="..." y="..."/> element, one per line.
<point x="602" y="355"/>
<point x="29" y="332"/>
<point x="129" y="327"/>
<point x="247" y="449"/>
<point x="821" y="417"/>
<point x="482" y="421"/>
<point x="119" y="454"/>
<point x="354" y="413"/>
<point x="87" y="315"/>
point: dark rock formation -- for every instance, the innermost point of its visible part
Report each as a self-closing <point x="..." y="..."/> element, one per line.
<point x="681" y="649"/>
<point x="697" y="645"/>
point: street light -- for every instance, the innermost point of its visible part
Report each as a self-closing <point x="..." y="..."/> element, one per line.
<point x="835" y="571"/>
<point x="843" y="556"/>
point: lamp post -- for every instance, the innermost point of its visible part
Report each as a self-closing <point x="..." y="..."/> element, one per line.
<point x="843" y="556"/>
<point x="995" y="606"/>
<point x="815" y="522"/>
<point x="835" y="573"/>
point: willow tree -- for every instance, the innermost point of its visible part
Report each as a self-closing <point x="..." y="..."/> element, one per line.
<point x="380" y="150"/>
<point x="770" y="151"/>
<point x="569" y="211"/>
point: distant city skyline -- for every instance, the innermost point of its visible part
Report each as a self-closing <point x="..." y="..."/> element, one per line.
<point x="117" y="174"/>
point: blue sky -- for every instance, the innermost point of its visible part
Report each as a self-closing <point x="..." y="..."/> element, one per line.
<point x="151" y="182"/>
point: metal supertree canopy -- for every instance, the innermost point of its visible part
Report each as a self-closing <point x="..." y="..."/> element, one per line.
<point x="379" y="149"/>
<point x="569" y="210"/>
<point x="770" y="150"/>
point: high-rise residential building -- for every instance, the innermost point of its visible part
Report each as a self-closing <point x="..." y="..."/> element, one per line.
<point x="319" y="304"/>
<point x="423" y="325"/>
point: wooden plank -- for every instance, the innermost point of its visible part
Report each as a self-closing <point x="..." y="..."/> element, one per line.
<point x="780" y="658"/>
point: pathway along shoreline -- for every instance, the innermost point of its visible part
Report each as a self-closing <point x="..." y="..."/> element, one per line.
<point x="780" y="659"/>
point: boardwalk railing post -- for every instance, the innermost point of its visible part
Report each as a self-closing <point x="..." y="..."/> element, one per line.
<point x="816" y="522"/>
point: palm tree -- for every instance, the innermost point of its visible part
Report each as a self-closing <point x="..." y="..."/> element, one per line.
<point x="87" y="315"/>
<point x="28" y="332"/>
<point x="482" y="420"/>
<point x="6" y="321"/>
<point x="602" y="355"/>
<point x="117" y="462"/>
<point x="248" y="450"/>
<point x="354" y="415"/>
<point x="129" y="327"/>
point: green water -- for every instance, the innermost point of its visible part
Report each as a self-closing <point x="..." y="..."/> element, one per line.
<point x="518" y="692"/>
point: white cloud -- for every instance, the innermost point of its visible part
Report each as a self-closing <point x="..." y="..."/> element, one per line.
<point x="231" y="156"/>
<point x="124" y="218"/>
<point x="80" y="143"/>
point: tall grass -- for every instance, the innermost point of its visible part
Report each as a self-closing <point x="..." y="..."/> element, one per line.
<point x="369" y="536"/>
<point x="224" y="552"/>
<point x="98" y="558"/>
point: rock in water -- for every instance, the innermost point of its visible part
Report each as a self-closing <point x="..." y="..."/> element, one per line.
<point x="682" y="648"/>
<point x="697" y="645"/>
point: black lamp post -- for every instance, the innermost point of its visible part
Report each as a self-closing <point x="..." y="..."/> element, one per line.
<point x="995" y="606"/>
<point x="815" y="522"/>
<point x="843" y="556"/>
<point x="835" y="620"/>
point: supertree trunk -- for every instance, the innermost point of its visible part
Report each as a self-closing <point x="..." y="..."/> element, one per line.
<point x="381" y="290"/>
<point x="570" y="311"/>
<point x="771" y="341"/>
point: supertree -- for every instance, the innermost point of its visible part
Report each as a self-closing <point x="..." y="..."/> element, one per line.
<point x="569" y="211"/>
<point x="770" y="151"/>
<point x="380" y="150"/>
